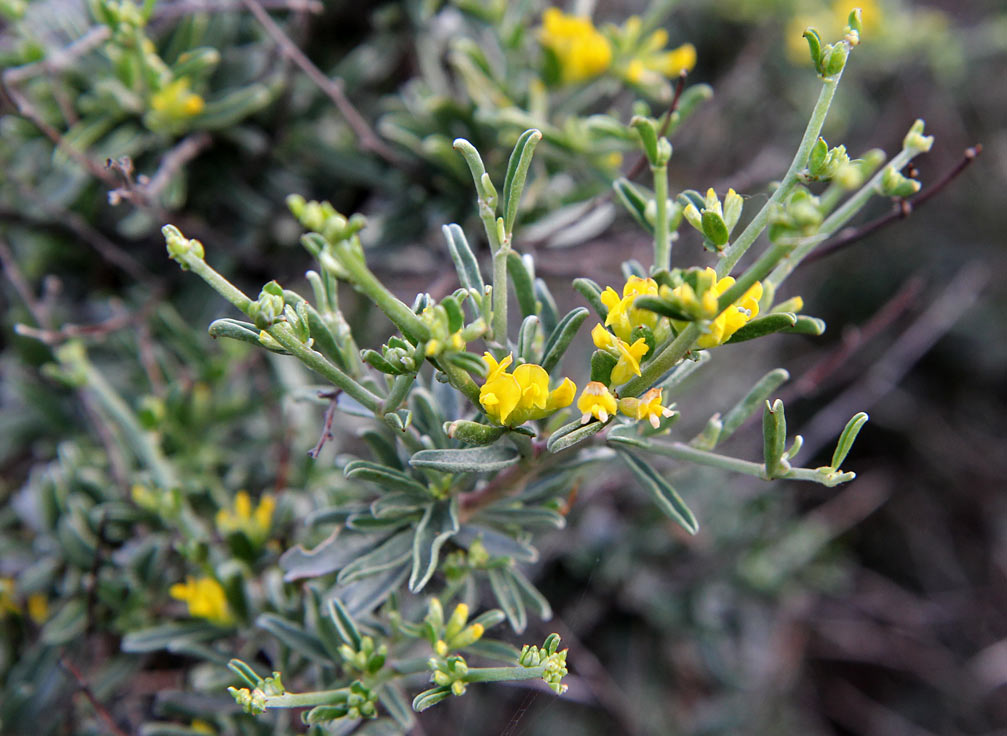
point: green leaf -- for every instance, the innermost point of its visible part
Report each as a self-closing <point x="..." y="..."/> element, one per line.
<point x="714" y="228"/>
<point x="161" y="637"/>
<point x="561" y="337"/>
<point x="366" y="522"/>
<point x="337" y="551"/>
<point x="592" y="292"/>
<point x="381" y="448"/>
<point x="237" y="330"/>
<point x="508" y="595"/>
<point x="807" y="326"/>
<point x="344" y="623"/>
<point x="466" y="460"/>
<point x="496" y="543"/>
<point x="546" y="307"/>
<point x="327" y="628"/>
<point x="517" y="172"/>
<point x="660" y="306"/>
<point x="69" y="623"/>
<point x="523" y="516"/>
<point x="762" y="326"/>
<point x="469" y="275"/>
<point x="231" y="108"/>
<point x="526" y="339"/>
<point x="666" y="497"/>
<point x="647" y="132"/>
<point x="438" y="524"/>
<point x="531" y="594"/>
<point x="635" y="200"/>
<point x="392" y="553"/>
<point x="430" y="698"/>
<point x="774" y="438"/>
<point x="387" y="478"/>
<point x="814" y="47"/>
<point x="394" y="700"/>
<point x="523" y="288"/>
<point x="847" y="438"/>
<point x="570" y="434"/>
<point x="755" y="397"/>
<point x="293" y="636"/>
<point x="494" y="649"/>
<point x="396" y="505"/>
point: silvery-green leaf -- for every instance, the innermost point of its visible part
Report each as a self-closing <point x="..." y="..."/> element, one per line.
<point x="570" y="434"/>
<point x="466" y="460"/>
<point x="294" y="636"/>
<point x="660" y="490"/>
<point x="752" y="401"/>
<point x="337" y="551"/>
<point x="392" y="553"/>
<point x="497" y="544"/>
<point x="394" y="701"/>
<point x="517" y="172"/>
<point x="161" y="637"/>
<point x="509" y="597"/>
<point x="761" y="326"/>
<point x="523" y="286"/>
<point x="561" y="337"/>
<point x="387" y="478"/>
<point x="438" y="524"/>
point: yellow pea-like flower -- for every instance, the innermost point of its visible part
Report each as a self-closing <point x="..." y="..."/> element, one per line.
<point x="647" y="407"/>
<point x="254" y="522"/>
<point x="582" y="52"/>
<point x="596" y="401"/>
<point x="622" y="315"/>
<point x="514" y="398"/>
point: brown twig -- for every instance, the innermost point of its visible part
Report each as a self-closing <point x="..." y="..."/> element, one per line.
<point x="903" y="208"/>
<point x="70" y="331"/>
<point x="38" y="311"/>
<point x="333" y="88"/>
<point x="330" y="415"/>
<point x="98" y="706"/>
<point x="143" y="191"/>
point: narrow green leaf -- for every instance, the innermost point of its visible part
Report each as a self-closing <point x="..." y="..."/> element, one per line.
<point x="344" y="623"/>
<point x="774" y="438"/>
<point x="387" y="478"/>
<point x="755" y="397"/>
<point x="438" y="524"/>
<point x="517" y="172"/>
<point x="807" y="326"/>
<point x="466" y="460"/>
<point x="430" y="698"/>
<point x="293" y="636"/>
<point x="394" y="700"/>
<point x="546" y="307"/>
<point x="523" y="516"/>
<point x="647" y="132"/>
<point x="328" y="631"/>
<point x="592" y="292"/>
<point x="561" y="337"/>
<point x="236" y="330"/>
<point x="469" y="275"/>
<point x="398" y="505"/>
<point x="228" y="110"/>
<point x="572" y="433"/>
<point x="762" y="326"/>
<point x="523" y="287"/>
<point x="660" y="306"/>
<point x="531" y="594"/>
<point x="526" y="339"/>
<point x="635" y="200"/>
<point x="427" y="417"/>
<point x="661" y="491"/>
<point x="383" y="449"/>
<point x="161" y="637"/>
<point x="509" y="597"/>
<point x="847" y="438"/>
<point x="325" y="342"/>
<point x="392" y="553"/>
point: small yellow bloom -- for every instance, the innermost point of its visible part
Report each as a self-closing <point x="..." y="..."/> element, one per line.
<point x="582" y="52"/>
<point x="596" y="401"/>
<point x="38" y="608"/>
<point x="731" y="319"/>
<point x="175" y="100"/>
<point x="201" y="726"/>
<point x="622" y="315"/>
<point x="629" y="355"/>
<point x="646" y="407"/>
<point x="255" y="523"/>
<point x="515" y="398"/>
<point x="7" y="602"/>
<point x="205" y="599"/>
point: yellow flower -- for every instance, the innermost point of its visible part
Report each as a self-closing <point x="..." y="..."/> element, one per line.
<point x="646" y="407"/>
<point x="205" y="599"/>
<point x="650" y="62"/>
<point x="582" y="52"/>
<point x="622" y="315"/>
<point x="515" y="398"/>
<point x="734" y="317"/>
<point x="629" y="355"/>
<point x="176" y="101"/>
<point x="7" y="602"/>
<point x="38" y="608"/>
<point x="596" y="401"/>
<point x="255" y="523"/>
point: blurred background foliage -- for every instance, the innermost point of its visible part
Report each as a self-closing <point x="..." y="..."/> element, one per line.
<point x="876" y="608"/>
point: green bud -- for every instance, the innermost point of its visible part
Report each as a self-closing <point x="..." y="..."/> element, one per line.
<point x="816" y="160"/>
<point x="836" y="59"/>
<point x="894" y="184"/>
<point x="915" y="140"/>
<point x="715" y="229"/>
<point x="693" y="217"/>
<point x="815" y="47"/>
<point x="473" y="433"/>
<point x="180" y="247"/>
<point x="733" y="204"/>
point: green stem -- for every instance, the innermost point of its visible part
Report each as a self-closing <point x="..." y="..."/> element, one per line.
<point x="219" y="284"/>
<point x="501" y="674"/>
<point x="662" y="240"/>
<point x="284" y="334"/>
<point x="400" y="387"/>
<point x="139" y="440"/>
<point x="737" y="249"/>
<point x="304" y="700"/>
<point x="396" y="310"/>
<point x="500" y="294"/>
<point x="837" y="219"/>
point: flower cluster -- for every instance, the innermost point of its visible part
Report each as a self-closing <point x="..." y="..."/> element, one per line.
<point x="703" y="302"/>
<point x="514" y="398"/>
<point x="253" y="523"/>
<point x="651" y="62"/>
<point x="581" y="51"/>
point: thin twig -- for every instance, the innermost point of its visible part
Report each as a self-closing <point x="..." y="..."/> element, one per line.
<point x="330" y="415"/>
<point x="61" y="59"/>
<point x="333" y="88"/>
<point x="148" y="190"/>
<point x="98" y="706"/>
<point x="903" y="208"/>
<point x="21" y="286"/>
<point x="68" y="332"/>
